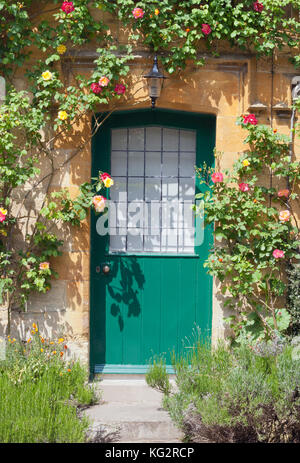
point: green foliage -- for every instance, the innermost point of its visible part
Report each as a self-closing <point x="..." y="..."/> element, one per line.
<point x="294" y="298"/>
<point x="176" y="29"/>
<point x="249" y="228"/>
<point x="247" y="394"/>
<point x="32" y="122"/>
<point x="44" y="40"/>
<point x="157" y="376"/>
<point x="40" y="393"/>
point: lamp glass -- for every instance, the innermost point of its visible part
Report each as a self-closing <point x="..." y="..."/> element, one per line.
<point x="154" y="86"/>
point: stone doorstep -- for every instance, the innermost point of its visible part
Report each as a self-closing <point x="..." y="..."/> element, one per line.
<point x="130" y="411"/>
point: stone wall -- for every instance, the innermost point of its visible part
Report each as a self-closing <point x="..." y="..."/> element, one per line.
<point x="227" y="86"/>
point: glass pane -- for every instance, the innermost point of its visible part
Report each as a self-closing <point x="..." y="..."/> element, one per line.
<point x="157" y="215"/>
<point x="153" y="139"/>
<point x="186" y="240"/>
<point x="118" y="190"/>
<point x="135" y="189"/>
<point x="119" y="139"/>
<point x="170" y="139"/>
<point x="152" y="242"/>
<point x="153" y="163"/>
<point x="136" y="139"/>
<point x="187" y="215"/>
<point x="121" y="212"/>
<point x="118" y="163"/>
<point x="136" y="163"/>
<point x="186" y="188"/>
<point x="170" y="188"/>
<point x="152" y="189"/>
<point x="153" y="215"/>
<point x="134" y="242"/>
<point x="187" y="164"/>
<point x="170" y="214"/>
<point x="169" y="240"/>
<point x="117" y="242"/>
<point x="187" y="140"/>
<point x="136" y="215"/>
<point x="170" y="164"/>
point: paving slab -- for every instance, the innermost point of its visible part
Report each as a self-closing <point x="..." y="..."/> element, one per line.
<point x="130" y="411"/>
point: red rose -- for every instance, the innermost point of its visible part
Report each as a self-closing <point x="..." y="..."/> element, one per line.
<point x="120" y="89"/>
<point x="244" y="187"/>
<point x="206" y="29"/>
<point x="96" y="88"/>
<point x="250" y="119"/>
<point x="67" y="7"/>
<point x="257" y="6"/>
<point x="104" y="176"/>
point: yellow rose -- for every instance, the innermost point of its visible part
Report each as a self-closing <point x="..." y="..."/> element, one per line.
<point x="108" y="182"/>
<point x="61" y="49"/>
<point x="62" y="115"/>
<point x="47" y="75"/>
<point x="246" y="163"/>
<point x="4" y="211"/>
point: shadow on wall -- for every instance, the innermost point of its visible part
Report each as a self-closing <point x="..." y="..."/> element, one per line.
<point x="52" y="325"/>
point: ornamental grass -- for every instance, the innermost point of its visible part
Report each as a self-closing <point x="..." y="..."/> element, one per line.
<point x="41" y="393"/>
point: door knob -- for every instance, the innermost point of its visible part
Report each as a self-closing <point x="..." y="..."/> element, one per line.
<point x="106" y="269"/>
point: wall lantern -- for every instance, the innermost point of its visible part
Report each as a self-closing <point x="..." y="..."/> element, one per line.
<point x="155" y="82"/>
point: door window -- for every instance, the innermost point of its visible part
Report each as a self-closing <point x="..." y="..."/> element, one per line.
<point x="151" y="199"/>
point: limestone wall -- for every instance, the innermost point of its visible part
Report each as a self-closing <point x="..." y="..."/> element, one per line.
<point x="227" y="86"/>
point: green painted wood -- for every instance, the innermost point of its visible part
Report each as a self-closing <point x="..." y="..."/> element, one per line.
<point x="149" y="304"/>
<point x="127" y="369"/>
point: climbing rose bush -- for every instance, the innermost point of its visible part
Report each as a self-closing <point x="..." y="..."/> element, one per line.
<point x="256" y="235"/>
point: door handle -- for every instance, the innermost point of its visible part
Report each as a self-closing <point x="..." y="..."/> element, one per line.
<point x="105" y="269"/>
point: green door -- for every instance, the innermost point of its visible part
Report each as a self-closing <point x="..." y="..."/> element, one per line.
<point x="155" y="290"/>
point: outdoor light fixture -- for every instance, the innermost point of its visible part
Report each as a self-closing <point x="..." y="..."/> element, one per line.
<point x="155" y="82"/>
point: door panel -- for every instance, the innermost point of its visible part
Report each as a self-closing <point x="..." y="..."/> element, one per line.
<point x="157" y="290"/>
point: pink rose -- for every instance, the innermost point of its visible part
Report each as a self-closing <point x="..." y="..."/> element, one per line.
<point x="217" y="177"/>
<point x="257" y="6"/>
<point x="244" y="186"/>
<point x="278" y="254"/>
<point x="283" y="193"/>
<point x="120" y="89"/>
<point x="99" y="203"/>
<point x="138" y="13"/>
<point x="96" y="88"/>
<point x="284" y="216"/>
<point x="67" y="7"/>
<point x="250" y="119"/>
<point x="206" y="29"/>
<point x="2" y="217"/>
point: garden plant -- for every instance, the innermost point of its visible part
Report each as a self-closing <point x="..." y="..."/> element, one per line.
<point x="42" y="392"/>
<point x="41" y="39"/>
<point x="254" y="206"/>
<point x="248" y="394"/>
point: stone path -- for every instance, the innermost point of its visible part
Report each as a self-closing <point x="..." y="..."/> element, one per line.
<point x="130" y="411"/>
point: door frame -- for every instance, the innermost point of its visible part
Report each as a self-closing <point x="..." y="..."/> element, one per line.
<point x="141" y="118"/>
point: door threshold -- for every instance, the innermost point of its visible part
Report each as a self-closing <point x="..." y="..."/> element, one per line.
<point x="131" y="370"/>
